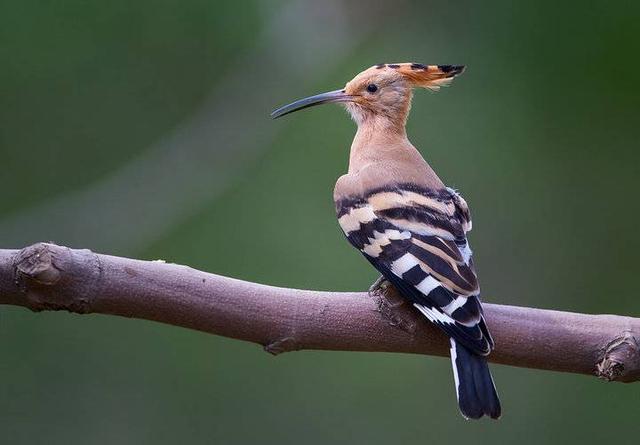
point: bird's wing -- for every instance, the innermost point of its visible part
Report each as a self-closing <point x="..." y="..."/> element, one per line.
<point x="417" y="239"/>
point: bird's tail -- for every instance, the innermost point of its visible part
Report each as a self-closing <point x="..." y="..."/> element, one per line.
<point x="475" y="389"/>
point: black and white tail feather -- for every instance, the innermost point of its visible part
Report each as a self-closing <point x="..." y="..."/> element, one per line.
<point x="475" y="389"/>
<point x="416" y="238"/>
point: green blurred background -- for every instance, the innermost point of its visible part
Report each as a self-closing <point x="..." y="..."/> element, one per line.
<point x="142" y="129"/>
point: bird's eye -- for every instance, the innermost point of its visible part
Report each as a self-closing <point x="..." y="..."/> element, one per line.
<point x="372" y="88"/>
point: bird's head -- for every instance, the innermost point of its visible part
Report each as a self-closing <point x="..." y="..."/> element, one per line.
<point x="382" y="91"/>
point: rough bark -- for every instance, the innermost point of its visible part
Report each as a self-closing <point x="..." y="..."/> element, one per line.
<point x="50" y="277"/>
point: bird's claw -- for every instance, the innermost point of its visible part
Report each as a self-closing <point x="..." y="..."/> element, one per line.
<point x="391" y="305"/>
<point x="380" y="286"/>
<point x="385" y="291"/>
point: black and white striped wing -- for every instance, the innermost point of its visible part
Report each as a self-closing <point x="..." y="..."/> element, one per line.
<point x="417" y="239"/>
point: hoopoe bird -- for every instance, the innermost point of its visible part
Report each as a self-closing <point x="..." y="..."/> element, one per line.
<point x="392" y="207"/>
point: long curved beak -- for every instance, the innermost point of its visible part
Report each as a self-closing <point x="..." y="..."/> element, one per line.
<point x="318" y="99"/>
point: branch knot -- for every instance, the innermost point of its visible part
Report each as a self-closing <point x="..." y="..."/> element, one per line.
<point x="39" y="272"/>
<point x="36" y="263"/>
<point x="286" y="344"/>
<point x="621" y="360"/>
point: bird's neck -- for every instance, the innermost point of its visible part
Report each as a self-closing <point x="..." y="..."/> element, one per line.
<point x="377" y="140"/>
<point x="381" y="154"/>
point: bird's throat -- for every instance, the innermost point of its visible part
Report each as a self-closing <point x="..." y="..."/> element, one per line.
<point x="378" y="139"/>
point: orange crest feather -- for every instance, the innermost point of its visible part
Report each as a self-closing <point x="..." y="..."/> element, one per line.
<point x="431" y="77"/>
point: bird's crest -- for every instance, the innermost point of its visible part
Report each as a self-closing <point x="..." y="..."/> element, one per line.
<point x="431" y="77"/>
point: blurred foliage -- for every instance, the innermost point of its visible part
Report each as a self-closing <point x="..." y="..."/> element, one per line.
<point x="540" y="135"/>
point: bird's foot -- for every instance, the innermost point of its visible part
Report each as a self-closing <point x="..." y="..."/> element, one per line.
<point x="392" y="305"/>
<point x="380" y="286"/>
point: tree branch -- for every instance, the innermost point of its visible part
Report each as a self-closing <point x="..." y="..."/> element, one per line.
<point x="50" y="277"/>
